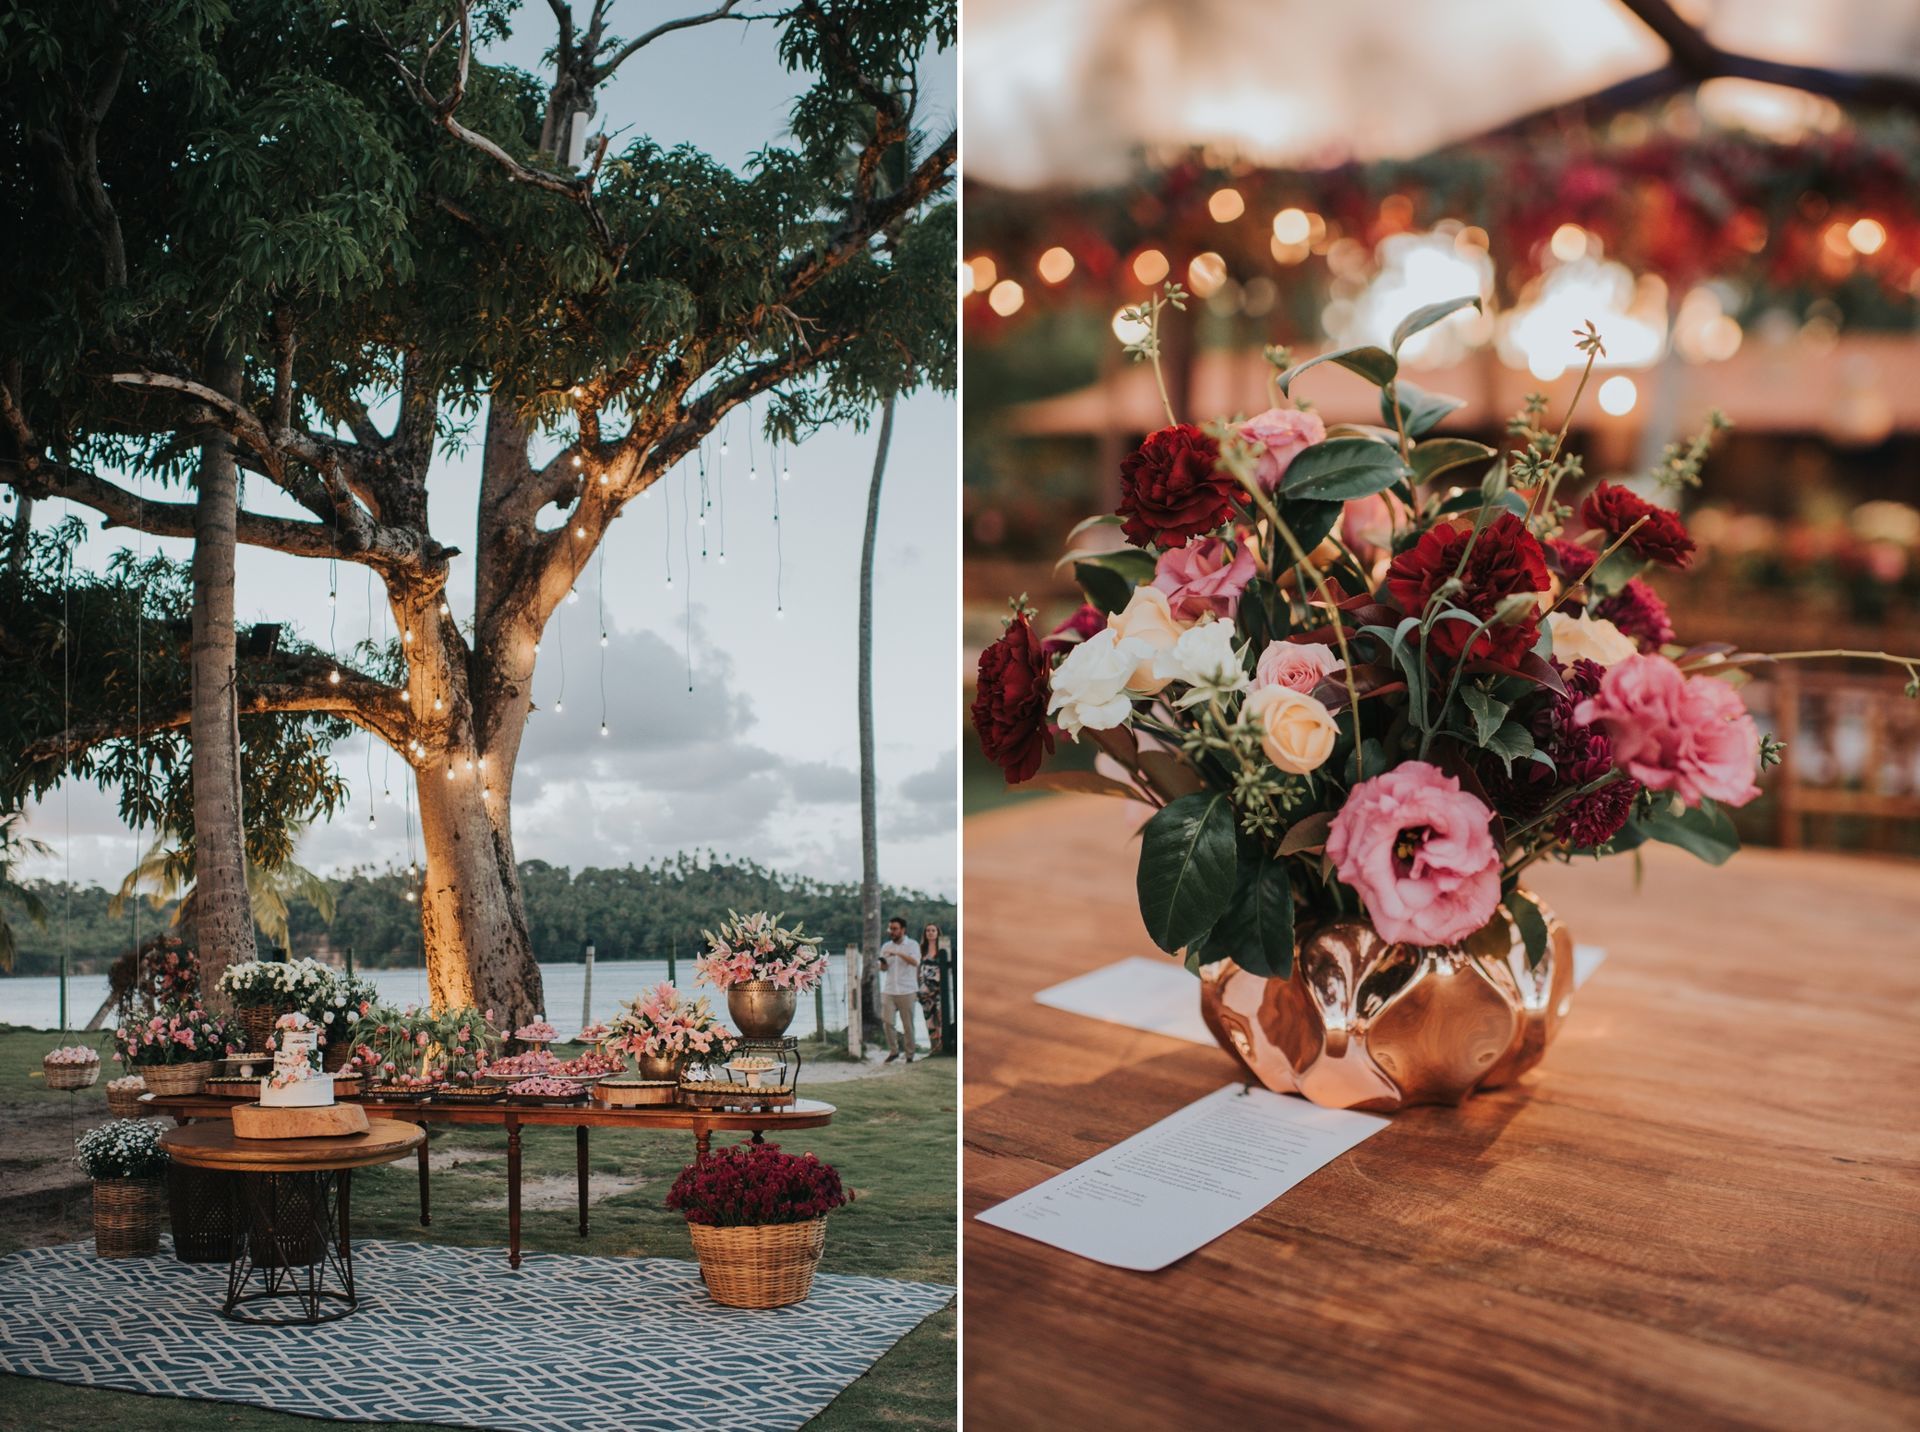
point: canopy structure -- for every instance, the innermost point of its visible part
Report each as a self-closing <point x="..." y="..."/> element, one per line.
<point x="1305" y="85"/>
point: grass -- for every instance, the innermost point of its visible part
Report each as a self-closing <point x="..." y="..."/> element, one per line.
<point x="893" y="1140"/>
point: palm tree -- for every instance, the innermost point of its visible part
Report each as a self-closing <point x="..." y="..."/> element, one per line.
<point x="869" y="813"/>
<point x="168" y="869"/>
<point x="15" y="848"/>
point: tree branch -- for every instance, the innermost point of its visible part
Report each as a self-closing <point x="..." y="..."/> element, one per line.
<point x="602" y="72"/>
<point x="930" y="176"/>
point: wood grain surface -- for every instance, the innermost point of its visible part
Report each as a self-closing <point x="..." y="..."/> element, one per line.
<point x="213" y="1145"/>
<point x="1703" y="1210"/>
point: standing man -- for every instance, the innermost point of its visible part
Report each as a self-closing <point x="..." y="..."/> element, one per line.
<point x="899" y="986"/>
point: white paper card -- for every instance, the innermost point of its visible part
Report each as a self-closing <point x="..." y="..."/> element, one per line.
<point x="1177" y="1186"/>
<point x="1160" y="997"/>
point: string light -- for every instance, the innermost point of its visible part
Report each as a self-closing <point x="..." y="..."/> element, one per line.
<point x="445" y="610"/>
<point x="333" y="678"/>
<point x="573" y="595"/>
<point x="409" y="636"/>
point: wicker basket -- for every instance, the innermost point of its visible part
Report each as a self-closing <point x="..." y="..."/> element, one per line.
<point x="767" y="1265"/>
<point x="200" y="1208"/>
<point x="258" y="1020"/>
<point x="70" y="1076"/>
<point x="177" y="1078"/>
<point x="333" y="1058"/>
<point x="125" y="1103"/>
<point x="127" y="1214"/>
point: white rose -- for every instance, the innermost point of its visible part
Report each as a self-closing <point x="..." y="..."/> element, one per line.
<point x="1148" y="619"/>
<point x="1090" y="686"/>
<point x="1205" y="660"/>
<point x="1594" y="638"/>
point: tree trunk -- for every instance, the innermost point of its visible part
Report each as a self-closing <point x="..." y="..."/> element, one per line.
<point x="472" y="917"/>
<point x="869" y="803"/>
<point x="223" y="915"/>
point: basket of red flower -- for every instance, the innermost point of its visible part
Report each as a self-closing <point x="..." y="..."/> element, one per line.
<point x="759" y="1221"/>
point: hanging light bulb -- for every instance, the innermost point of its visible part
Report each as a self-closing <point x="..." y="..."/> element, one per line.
<point x="579" y="461"/>
<point x="410" y="897"/>
<point x="723" y="447"/>
<point x="333" y="678"/>
<point x="786" y="473"/>
<point x="753" y="473"/>
<point x="780" y="611"/>
<point x="444" y="609"/>
<point x="409" y="636"/>
<point x="605" y="478"/>
<point x="603" y="638"/>
<point x="483" y="763"/>
<point x="669" y="579"/>
<point x="573" y="595"/>
<point x="580" y="532"/>
<point x="558" y="707"/>
<point x="406" y="696"/>
<point x="371" y="822"/>
<point x="449" y="772"/>
<point x="436" y="703"/>
<point x="469" y="763"/>
<point x="603" y="728"/>
<point x="536" y="648"/>
<point x="332" y="598"/>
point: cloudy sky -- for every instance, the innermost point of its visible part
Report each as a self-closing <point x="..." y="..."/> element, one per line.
<point x="761" y="758"/>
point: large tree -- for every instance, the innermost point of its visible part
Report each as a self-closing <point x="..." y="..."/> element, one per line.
<point x="443" y="251"/>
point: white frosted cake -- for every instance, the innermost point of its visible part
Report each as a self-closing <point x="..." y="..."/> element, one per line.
<point x="296" y="1081"/>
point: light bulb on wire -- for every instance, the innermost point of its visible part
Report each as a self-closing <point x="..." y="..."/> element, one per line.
<point x="333" y="677"/>
<point x="573" y="594"/>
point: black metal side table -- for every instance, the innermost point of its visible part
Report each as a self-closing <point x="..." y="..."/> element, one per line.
<point x="292" y="1199"/>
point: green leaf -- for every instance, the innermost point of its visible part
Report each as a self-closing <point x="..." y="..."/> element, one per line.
<point x="1108" y="578"/>
<point x="1373" y="364"/>
<point x="1307" y="833"/>
<point x="1429" y="314"/>
<point x="1533" y="926"/>
<point x="1706" y="831"/>
<point x="1342" y="469"/>
<point x="1488" y="713"/>
<point x="1309" y="519"/>
<point x="1188" y="859"/>
<point x="1511" y="742"/>
<point x="1257" y="929"/>
<point x="1438" y="455"/>
<point x="1087" y="524"/>
<point x="1420" y="411"/>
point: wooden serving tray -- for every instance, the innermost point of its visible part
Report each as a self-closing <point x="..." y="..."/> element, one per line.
<point x="323" y="1121"/>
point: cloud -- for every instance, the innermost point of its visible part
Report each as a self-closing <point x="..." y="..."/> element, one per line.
<point x="822" y="783"/>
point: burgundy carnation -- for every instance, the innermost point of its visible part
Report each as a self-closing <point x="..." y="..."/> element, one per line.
<point x="1581" y="754"/>
<point x="1074" y="630"/>
<point x="1569" y="559"/>
<point x="1506" y="559"/>
<point x="1595" y="819"/>
<point x="1637" y="610"/>
<point x="1614" y="510"/>
<point x="1010" y="705"/>
<point x="1172" y="489"/>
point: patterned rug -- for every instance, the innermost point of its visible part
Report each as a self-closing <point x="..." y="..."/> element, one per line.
<point x="452" y="1335"/>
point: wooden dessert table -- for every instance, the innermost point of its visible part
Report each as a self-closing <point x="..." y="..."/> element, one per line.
<point x="291" y="1199"/>
<point x="703" y="1123"/>
<point x="1703" y="1210"/>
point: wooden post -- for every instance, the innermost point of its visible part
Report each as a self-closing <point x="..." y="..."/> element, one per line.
<point x="349" y="961"/>
<point x="856" y="1045"/>
<point x="949" y="998"/>
<point x="820" y="1010"/>
<point x="586" y="995"/>
<point x="670" y="966"/>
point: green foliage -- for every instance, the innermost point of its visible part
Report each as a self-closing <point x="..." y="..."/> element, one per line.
<point x="1188" y="864"/>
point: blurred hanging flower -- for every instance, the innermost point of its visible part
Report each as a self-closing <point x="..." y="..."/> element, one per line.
<point x="1505" y="561"/>
<point x="1278" y="436"/>
<point x="1172" y="489"/>
<point x="1420" y="852"/>
<point x="1673" y="732"/>
<point x="1204" y="579"/>
<point x="1614" y="510"/>
<point x="1010" y="703"/>
<point x="1090" y="686"/>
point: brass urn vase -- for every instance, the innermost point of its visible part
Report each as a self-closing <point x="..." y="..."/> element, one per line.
<point x="1363" y="1022"/>
<point x="761" y="1009"/>
<point x="658" y="1066"/>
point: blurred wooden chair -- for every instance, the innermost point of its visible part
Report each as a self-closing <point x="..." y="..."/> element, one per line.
<point x="1852" y="751"/>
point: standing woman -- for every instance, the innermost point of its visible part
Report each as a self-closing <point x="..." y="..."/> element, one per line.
<point x="930" y="987"/>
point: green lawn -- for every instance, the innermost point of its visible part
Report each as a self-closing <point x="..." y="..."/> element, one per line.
<point x="893" y="1141"/>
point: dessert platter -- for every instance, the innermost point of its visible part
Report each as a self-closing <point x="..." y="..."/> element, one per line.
<point x="297" y="1099"/>
<point x="542" y="1089"/>
<point x="624" y="1091"/>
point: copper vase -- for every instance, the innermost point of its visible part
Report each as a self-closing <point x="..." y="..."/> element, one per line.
<point x="659" y="1067"/>
<point x="1365" y="1023"/>
<point x="761" y="1009"/>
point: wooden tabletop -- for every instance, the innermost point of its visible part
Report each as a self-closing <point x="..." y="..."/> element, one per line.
<point x="1703" y="1209"/>
<point x="213" y="1145"/>
<point x="801" y="1114"/>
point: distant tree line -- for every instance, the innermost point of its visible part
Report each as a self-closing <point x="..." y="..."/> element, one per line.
<point x="629" y="913"/>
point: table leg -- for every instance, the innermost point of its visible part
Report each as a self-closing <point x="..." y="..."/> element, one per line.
<point x="344" y="1195"/>
<point x="426" y="1213"/>
<point x="759" y="1136"/>
<point x="513" y="1191"/>
<point x="580" y="1170"/>
<point x="702" y="1139"/>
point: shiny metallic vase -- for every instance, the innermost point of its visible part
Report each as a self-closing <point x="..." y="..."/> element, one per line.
<point x="760" y="1009"/>
<point x="1365" y="1023"/>
<point x="658" y="1066"/>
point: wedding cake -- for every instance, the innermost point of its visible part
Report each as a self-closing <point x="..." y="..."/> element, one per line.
<point x="296" y="1081"/>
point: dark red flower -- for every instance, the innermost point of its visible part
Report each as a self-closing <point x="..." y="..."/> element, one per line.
<point x="1010" y="704"/>
<point x="1614" y="510"/>
<point x="1507" y="559"/>
<point x="1074" y="630"/>
<point x="1595" y="819"/>
<point x="1580" y="754"/>
<point x="1172" y="489"/>
<point x="1638" y="611"/>
<point x="1569" y="559"/>
<point x="750" y="1184"/>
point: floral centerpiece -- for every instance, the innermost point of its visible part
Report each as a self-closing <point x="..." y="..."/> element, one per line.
<point x="263" y="990"/>
<point x="758" y="1219"/>
<point x="764" y="967"/>
<point x="416" y="1049"/>
<point x="71" y="1066"/>
<point x="127" y="1165"/>
<point x="664" y="1031"/>
<point x="175" y="1049"/>
<point x="1367" y="677"/>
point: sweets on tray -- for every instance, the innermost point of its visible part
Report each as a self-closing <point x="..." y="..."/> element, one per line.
<point x="520" y="1066"/>
<point x="540" y="1087"/>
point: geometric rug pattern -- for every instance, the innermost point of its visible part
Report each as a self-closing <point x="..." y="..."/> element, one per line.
<point x="455" y="1336"/>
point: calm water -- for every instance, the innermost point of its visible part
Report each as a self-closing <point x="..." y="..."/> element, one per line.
<point x="34" y="1001"/>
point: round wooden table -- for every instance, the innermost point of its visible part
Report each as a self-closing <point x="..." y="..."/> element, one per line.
<point x="291" y="1200"/>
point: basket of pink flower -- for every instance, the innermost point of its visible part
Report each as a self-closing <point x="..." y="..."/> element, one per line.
<point x="764" y="967"/>
<point x="1366" y="677"/>
<point x="758" y="1219"/>
<point x="174" y="1050"/>
<point x="71" y="1066"/>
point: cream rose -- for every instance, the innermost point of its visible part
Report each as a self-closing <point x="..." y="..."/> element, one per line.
<point x="1148" y="619"/>
<point x="1296" y="731"/>
<point x="1594" y="638"/>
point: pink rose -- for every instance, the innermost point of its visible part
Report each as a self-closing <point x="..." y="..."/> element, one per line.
<point x="1278" y="435"/>
<point x="1199" y="579"/>
<point x="1674" y="732"/>
<point x="1297" y="665"/>
<point x="1419" y="851"/>
<point x="1367" y="524"/>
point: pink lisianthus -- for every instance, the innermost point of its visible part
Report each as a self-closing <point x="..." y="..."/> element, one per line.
<point x="1419" y="851"/>
<point x="1367" y="523"/>
<point x="1278" y="437"/>
<point x="1297" y="665"/>
<point x="1673" y="732"/>
<point x="1201" y="578"/>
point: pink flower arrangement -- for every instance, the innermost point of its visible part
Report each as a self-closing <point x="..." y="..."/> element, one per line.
<point x="1420" y="852"/>
<point x="1298" y="666"/>
<point x="76" y="1055"/>
<point x="750" y="948"/>
<point x="658" y="1023"/>
<point x="1203" y="578"/>
<point x="181" y="1035"/>
<point x="1672" y="732"/>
